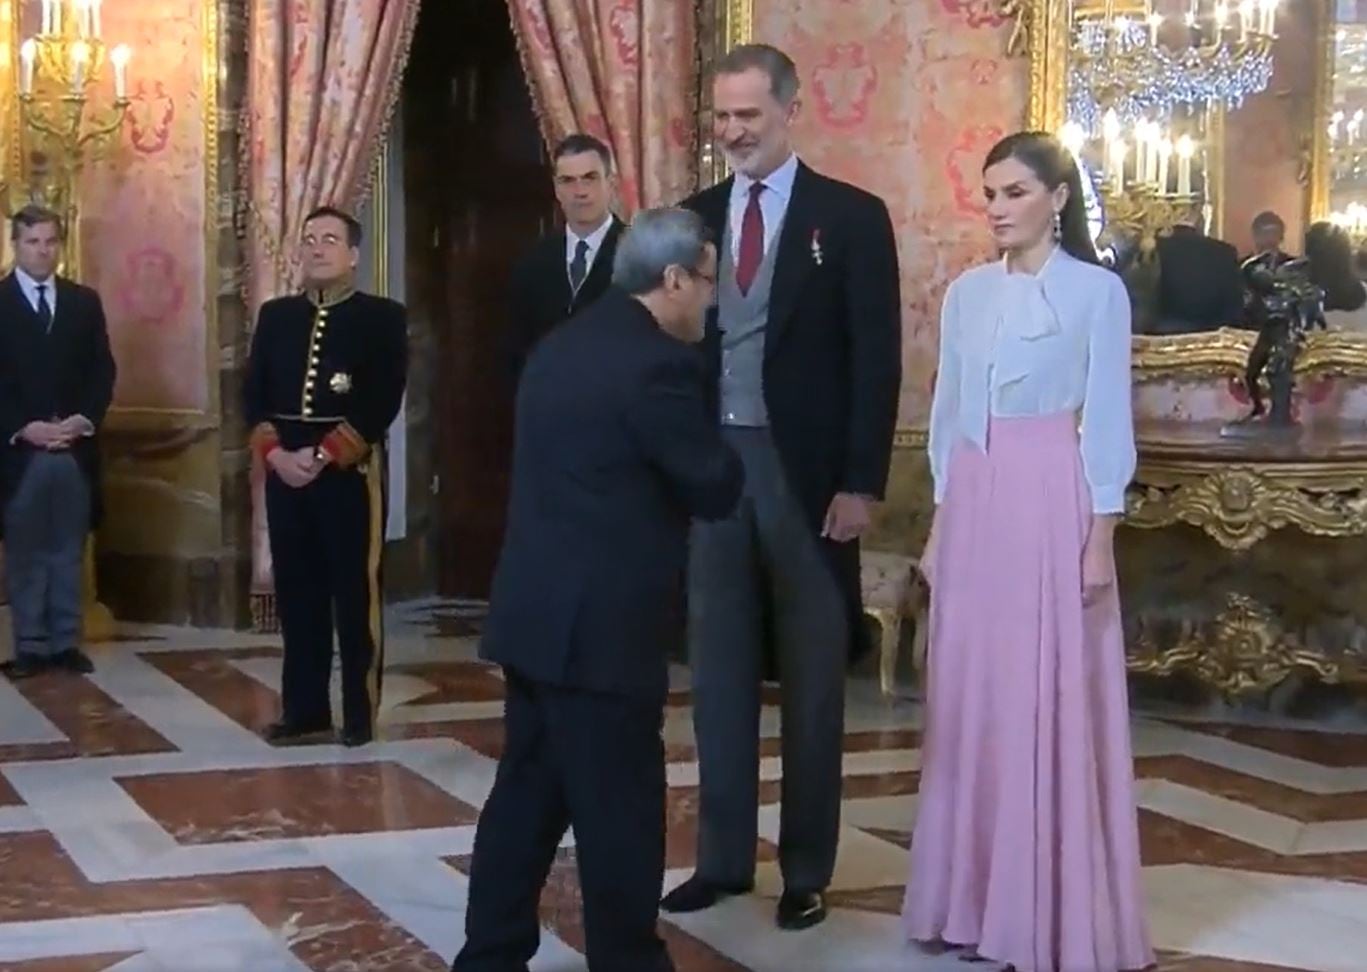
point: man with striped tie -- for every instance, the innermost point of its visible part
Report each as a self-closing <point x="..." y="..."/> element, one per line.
<point x="570" y="268"/>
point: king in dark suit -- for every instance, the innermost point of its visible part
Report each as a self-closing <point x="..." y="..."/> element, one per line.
<point x="570" y="268"/>
<point x="325" y="380"/>
<point x="804" y="351"/>
<point x="615" y="450"/>
<point x="56" y="383"/>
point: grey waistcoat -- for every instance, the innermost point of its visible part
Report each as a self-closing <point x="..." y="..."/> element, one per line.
<point x="742" y="319"/>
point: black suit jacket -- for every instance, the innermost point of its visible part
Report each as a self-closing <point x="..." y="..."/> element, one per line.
<point x="1200" y="287"/>
<point x="540" y="296"/>
<point x="832" y="351"/>
<point x="614" y="452"/>
<point x="52" y="375"/>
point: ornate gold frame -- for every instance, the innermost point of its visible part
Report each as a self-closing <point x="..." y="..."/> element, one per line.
<point x="1040" y="32"/>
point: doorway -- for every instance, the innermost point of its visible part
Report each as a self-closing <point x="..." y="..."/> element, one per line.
<point x="479" y="193"/>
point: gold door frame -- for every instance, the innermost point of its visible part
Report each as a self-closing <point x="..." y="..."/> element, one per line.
<point x="722" y="25"/>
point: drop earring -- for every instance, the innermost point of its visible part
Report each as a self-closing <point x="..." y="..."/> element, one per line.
<point x="1058" y="227"/>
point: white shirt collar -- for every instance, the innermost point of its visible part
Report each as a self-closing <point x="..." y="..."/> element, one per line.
<point x="594" y="239"/>
<point x="30" y="284"/>
<point x="1039" y="274"/>
<point x="29" y="287"/>
<point x="779" y="182"/>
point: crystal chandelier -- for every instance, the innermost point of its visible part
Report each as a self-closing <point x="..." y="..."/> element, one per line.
<point x="1125" y="57"/>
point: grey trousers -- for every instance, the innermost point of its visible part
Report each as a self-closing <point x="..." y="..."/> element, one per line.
<point x="763" y="569"/>
<point x="46" y="522"/>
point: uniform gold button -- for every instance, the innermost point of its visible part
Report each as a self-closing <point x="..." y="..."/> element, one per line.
<point x="313" y="372"/>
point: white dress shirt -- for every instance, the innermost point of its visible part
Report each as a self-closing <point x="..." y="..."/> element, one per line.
<point x="1018" y="345"/>
<point x="30" y="288"/>
<point x="773" y="202"/>
<point x="594" y="240"/>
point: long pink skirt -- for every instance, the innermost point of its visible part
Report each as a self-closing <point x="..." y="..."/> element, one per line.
<point x="1026" y="844"/>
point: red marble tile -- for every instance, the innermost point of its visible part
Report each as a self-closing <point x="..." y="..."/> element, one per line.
<point x="462" y="681"/>
<point x="94" y="724"/>
<point x="1164" y="840"/>
<point x="484" y="736"/>
<point x="297" y="801"/>
<point x="1272" y="797"/>
<point x="562" y="911"/>
<point x="212" y="676"/>
<point x="1326" y="748"/>
<point x="8" y="798"/>
<point x="902" y="838"/>
<point x="329" y="925"/>
<point x="71" y="963"/>
<point x="681" y="829"/>
<point x="770" y="693"/>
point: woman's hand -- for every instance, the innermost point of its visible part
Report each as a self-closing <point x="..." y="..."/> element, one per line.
<point x="1098" y="560"/>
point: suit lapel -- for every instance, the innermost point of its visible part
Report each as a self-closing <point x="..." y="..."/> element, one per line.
<point x="712" y="206"/>
<point x="793" y="260"/>
<point x="18" y="302"/>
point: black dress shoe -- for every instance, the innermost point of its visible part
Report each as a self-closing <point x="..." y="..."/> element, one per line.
<point x="801" y="909"/>
<point x="285" y="730"/>
<point x="698" y="893"/>
<point x="74" y="660"/>
<point x="25" y="665"/>
<point x="351" y="738"/>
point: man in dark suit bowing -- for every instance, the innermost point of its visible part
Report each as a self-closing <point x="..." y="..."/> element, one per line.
<point x="614" y="451"/>
<point x="570" y="268"/>
<point x="805" y="351"/>
<point x="56" y="383"/>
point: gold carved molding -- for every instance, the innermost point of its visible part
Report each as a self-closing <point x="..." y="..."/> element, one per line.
<point x="1239" y="505"/>
<point x="1224" y="353"/>
<point x="1245" y="649"/>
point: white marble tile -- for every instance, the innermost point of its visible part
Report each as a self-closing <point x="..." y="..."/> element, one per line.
<point x="1241" y="821"/>
<point x="1302" y="923"/>
<point x="27" y="940"/>
<point x="881" y="813"/>
<point x="21" y="722"/>
<point x="1332" y="837"/>
<point x="1266" y="765"/>
<point x="180" y="716"/>
<point x="851" y="941"/>
<point x="18" y="820"/>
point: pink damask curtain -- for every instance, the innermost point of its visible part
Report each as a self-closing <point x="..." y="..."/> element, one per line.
<point x="624" y="71"/>
<point x="323" y="78"/>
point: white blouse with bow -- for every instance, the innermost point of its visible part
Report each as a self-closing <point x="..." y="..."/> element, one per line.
<point x="1020" y="345"/>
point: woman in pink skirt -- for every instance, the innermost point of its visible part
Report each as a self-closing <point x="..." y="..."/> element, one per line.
<point x="1026" y="849"/>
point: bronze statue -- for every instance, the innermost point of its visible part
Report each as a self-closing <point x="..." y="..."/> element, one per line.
<point x="1283" y="305"/>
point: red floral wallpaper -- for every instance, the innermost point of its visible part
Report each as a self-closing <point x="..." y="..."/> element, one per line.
<point x="904" y="98"/>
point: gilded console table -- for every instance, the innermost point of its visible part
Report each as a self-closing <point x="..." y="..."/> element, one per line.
<point x="1246" y="559"/>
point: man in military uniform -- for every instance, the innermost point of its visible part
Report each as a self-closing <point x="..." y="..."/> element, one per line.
<point x="324" y="382"/>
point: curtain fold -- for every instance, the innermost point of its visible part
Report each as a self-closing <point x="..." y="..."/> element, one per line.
<point x="323" y="79"/>
<point x="624" y="71"/>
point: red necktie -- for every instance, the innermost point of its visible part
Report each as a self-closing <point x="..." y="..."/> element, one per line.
<point x="751" y="241"/>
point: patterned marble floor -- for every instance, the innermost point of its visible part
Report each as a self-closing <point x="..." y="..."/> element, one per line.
<point x="144" y="827"/>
